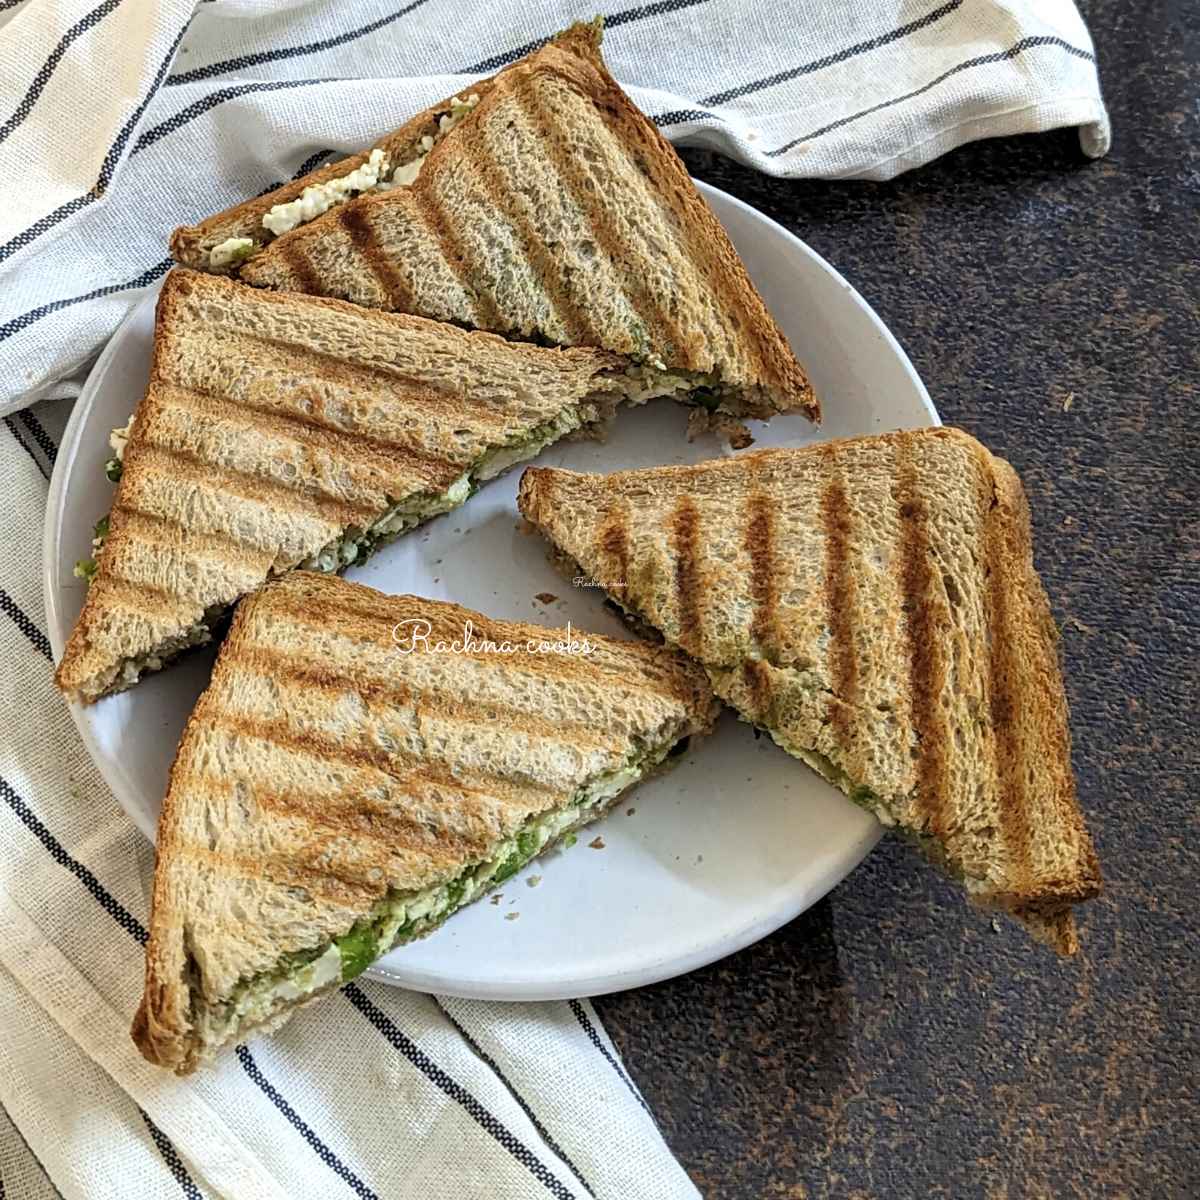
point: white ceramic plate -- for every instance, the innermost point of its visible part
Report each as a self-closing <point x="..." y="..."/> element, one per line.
<point x="734" y="842"/>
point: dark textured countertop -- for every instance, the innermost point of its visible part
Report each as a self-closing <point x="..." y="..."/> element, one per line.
<point x="892" y="1042"/>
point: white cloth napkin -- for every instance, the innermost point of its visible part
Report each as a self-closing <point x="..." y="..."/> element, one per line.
<point x="120" y="119"/>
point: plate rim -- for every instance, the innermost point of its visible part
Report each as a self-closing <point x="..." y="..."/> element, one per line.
<point x="640" y="975"/>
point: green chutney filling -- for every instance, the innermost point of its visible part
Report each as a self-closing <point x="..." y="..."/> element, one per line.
<point x="401" y="916"/>
<point x="356" y="544"/>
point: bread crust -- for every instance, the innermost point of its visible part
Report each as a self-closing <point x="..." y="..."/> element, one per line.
<point x="191" y="245"/>
<point x="872" y="602"/>
<point x="346" y="851"/>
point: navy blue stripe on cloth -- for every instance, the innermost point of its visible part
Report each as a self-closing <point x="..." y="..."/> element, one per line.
<point x="199" y="107"/>
<point x="12" y="428"/>
<point x="594" y="1037"/>
<point x="58" y="852"/>
<point x="242" y="61"/>
<point x="107" y="167"/>
<point x="613" y="21"/>
<point x="302" y="1127"/>
<point x="455" y="1091"/>
<point x="146" y="278"/>
<point x="171" y="1157"/>
<point x="19" y="618"/>
<point x="491" y="1063"/>
<point x="658" y="9"/>
<point x="682" y="116"/>
<point x="829" y="60"/>
<point x="35" y="89"/>
<point x="38" y="433"/>
<point x="982" y="59"/>
<point x="137" y="931"/>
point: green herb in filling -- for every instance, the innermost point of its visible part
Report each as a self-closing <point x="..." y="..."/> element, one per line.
<point x="358" y="949"/>
<point x="508" y="868"/>
<point x="400" y="916"/>
<point x="86" y="568"/>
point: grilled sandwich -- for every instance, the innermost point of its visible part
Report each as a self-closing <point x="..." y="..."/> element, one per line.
<point x="541" y="205"/>
<point x="872" y="604"/>
<point x="343" y="786"/>
<point x="280" y="431"/>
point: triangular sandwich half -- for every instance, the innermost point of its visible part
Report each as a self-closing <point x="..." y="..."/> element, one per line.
<point x="281" y="430"/>
<point x="550" y="209"/>
<point x="345" y="784"/>
<point x="872" y="603"/>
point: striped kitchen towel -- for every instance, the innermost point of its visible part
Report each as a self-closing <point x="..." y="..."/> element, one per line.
<point x="122" y="119"/>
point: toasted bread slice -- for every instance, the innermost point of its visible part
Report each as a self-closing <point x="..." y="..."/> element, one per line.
<point x="553" y="210"/>
<point x="280" y="430"/>
<point x="193" y="245"/>
<point x="343" y="785"/>
<point x="872" y="603"/>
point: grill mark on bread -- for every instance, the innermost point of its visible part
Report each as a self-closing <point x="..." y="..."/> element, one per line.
<point x="144" y="599"/>
<point x="613" y="544"/>
<point x="355" y="220"/>
<point x="760" y="545"/>
<point x="173" y="464"/>
<point x="1012" y="806"/>
<point x="840" y="595"/>
<point x="578" y="327"/>
<point x="598" y="216"/>
<point x="487" y="313"/>
<point x="367" y="379"/>
<point x="501" y="788"/>
<point x="326" y="882"/>
<point x="375" y="821"/>
<point x="926" y="667"/>
<point x="756" y="676"/>
<point x="378" y="622"/>
<point x="139" y="526"/>
<point x="361" y="449"/>
<point x="685" y="521"/>
<point x="433" y="701"/>
<point x="295" y="258"/>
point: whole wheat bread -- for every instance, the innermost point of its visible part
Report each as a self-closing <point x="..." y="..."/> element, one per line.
<point x="873" y="604"/>
<point x="323" y="770"/>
